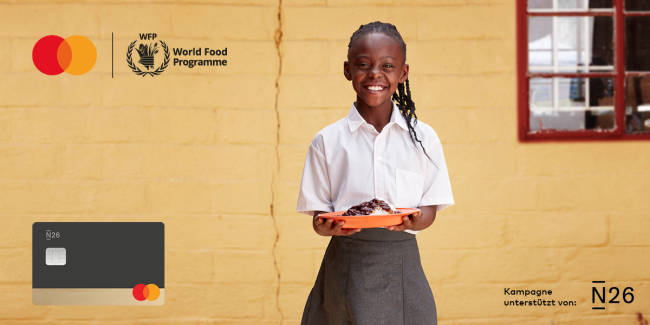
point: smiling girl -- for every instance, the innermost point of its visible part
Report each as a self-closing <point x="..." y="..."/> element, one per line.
<point x="380" y="150"/>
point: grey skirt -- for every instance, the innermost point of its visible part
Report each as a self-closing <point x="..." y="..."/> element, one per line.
<point x="372" y="277"/>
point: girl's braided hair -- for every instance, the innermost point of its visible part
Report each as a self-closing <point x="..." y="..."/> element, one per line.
<point x="402" y="97"/>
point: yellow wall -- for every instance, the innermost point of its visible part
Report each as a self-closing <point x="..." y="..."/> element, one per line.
<point x="217" y="155"/>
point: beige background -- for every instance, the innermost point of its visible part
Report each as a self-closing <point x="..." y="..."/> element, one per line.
<point x="217" y="155"/>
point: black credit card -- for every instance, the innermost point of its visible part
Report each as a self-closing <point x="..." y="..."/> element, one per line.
<point x="98" y="263"/>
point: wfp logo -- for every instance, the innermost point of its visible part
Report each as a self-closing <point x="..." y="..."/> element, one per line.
<point x="152" y="60"/>
<point x="149" y="55"/>
<point x="75" y="55"/>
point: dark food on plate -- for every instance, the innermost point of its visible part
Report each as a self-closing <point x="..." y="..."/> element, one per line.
<point x="372" y="207"/>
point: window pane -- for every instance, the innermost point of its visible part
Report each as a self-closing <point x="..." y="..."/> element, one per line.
<point x="571" y="104"/>
<point x="637" y="5"/>
<point x="637" y="43"/>
<point x="570" y="44"/>
<point x="637" y="102"/>
<point x="570" y="4"/>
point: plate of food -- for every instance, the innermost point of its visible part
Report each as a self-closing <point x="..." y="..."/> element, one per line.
<point x="371" y="214"/>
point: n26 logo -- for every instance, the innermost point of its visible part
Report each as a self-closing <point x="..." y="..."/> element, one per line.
<point x="49" y="235"/>
<point x="610" y="295"/>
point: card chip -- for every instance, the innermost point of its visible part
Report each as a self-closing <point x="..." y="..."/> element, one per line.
<point x="55" y="256"/>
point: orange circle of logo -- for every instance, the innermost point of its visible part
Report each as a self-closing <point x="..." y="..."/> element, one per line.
<point x="75" y="55"/>
<point x="153" y="292"/>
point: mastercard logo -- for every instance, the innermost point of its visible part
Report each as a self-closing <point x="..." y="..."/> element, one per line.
<point x="149" y="292"/>
<point x="75" y="55"/>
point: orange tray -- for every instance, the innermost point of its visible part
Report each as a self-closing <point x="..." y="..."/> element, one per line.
<point x="369" y="221"/>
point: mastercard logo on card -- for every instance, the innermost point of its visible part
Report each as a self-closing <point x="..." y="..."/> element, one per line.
<point x="98" y="263"/>
<point x="150" y="292"/>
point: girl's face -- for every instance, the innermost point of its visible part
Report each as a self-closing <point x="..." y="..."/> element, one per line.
<point x="375" y="66"/>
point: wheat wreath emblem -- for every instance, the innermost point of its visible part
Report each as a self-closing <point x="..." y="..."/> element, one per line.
<point x="134" y="68"/>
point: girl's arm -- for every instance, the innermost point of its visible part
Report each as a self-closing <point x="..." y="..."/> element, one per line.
<point x="331" y="228"/>
<point x="417" y="221"/>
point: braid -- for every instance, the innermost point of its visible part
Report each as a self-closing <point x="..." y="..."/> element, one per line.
<point x="378" y="27"/>
<point x="407" y="108"/>
<point x="402" y="96"/>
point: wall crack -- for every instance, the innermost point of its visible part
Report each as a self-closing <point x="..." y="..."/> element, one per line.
<point x="276" y="170"/>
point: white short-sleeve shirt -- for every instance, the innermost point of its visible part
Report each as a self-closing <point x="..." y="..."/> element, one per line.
<point x="349" y="162"/>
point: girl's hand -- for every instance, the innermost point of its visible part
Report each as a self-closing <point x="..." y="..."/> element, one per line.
<point x="328" y="227"/>
<point x="418" y="220"/>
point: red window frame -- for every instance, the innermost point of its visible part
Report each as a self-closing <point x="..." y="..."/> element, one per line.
<point x="619" y="74"/>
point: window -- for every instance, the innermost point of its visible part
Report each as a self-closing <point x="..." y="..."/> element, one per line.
<point x="583" y="69"/>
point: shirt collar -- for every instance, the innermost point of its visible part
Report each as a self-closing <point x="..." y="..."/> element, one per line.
<point x="355" y="120"/>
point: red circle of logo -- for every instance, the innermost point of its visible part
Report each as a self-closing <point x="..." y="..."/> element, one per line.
<point x="139" y="292"/>
<point x="45" y="55"/>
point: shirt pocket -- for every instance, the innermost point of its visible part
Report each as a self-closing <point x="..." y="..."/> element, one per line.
<point x="409" y="186"/>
